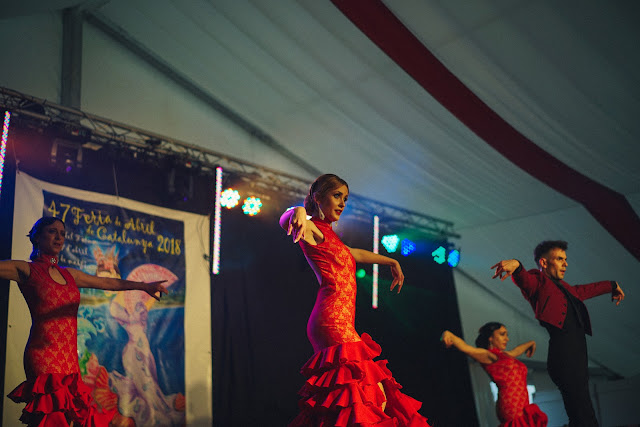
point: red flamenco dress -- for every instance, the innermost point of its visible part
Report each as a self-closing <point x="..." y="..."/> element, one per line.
<point x="513" y="408"/>
<point x="342" y="387"/>
<point x="54" y="392"/>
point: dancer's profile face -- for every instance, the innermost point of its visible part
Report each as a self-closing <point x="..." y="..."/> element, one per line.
<point x="554" y="263"/>
<point x="333" y="203"/>
<point x="51" y="238"/>
<point x="499" y="339"/>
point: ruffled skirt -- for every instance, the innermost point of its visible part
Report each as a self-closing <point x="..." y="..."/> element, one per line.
<point x="531" y="416"/>
<point x="55" y="400"/>
<point x="342" y="390"/>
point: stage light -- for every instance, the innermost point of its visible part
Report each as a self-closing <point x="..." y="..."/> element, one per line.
<point x="390" y="242"/>
<point x="439" y="255"/>
<point x="3" y="144"/>
<point x="361" y="273"/>
<point x="407" y="247"/>
<point x="69" y="152"/>
<point x="251" y="206"/>
<point x="229" y="198"/>
<point x="454" y="258"/>
<point x="215" y="265"/>
<point x="374" y="278"/>
<point x="180" y="182"/>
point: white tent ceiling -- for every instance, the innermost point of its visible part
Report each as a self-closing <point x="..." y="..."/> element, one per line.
<point x="564" y="74"/>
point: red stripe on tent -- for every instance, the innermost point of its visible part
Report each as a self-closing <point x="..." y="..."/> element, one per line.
<point x="610" y="208"/>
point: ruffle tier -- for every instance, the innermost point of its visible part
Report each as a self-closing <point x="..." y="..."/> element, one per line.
<point x="54" y="400"/>
<point x="342" y="390"/>
<point x="532" y="416"/>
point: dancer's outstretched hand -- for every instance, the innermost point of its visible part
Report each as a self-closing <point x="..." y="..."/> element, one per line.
<point x="505" y="268"/>
<point x="531" y="350"/>
<point x="398" y="276"/>
<point x="447" y="338"/>
<point x="297" y="224"/>
<point x="156" y="289"/>
<point x="617" y="295"/>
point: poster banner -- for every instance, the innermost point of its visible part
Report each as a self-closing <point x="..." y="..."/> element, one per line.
<point x="144" y="366"/>
<point x="132" y="349"/>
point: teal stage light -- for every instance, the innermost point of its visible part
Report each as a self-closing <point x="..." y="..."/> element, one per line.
<point x="439" y="255"/>
<point x="390" y="242"/>
<point x="361" y="273"/>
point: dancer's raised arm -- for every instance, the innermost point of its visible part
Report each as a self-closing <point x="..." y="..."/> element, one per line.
<point x="368" y="257"/>
<point x="18" y="271"/>
<point x="528" y="347"/>
<point x="84" y="280"/>
<point x="482" y="355"/>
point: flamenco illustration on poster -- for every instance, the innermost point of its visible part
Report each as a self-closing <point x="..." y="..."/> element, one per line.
<point x="130" y="346"/>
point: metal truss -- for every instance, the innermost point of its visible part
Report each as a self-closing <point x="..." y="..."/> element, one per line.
<point x="93" y="132"/>
<point x="395" y="217"/>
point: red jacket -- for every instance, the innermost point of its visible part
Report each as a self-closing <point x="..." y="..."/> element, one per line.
<point x="548" y="302"/>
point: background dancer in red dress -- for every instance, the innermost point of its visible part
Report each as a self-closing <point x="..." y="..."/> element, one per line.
<point x="509" y="374"/>
<point x="344" y="386"/>
<point x="54" y="393"/>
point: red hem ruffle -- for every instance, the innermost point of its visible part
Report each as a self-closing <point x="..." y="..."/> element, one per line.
<point x="342" y="390"/>
<point x="532" y="416"/>
<point x="56" y="400"/>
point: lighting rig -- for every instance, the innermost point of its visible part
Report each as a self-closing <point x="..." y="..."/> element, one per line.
<point x="86" y="131"/>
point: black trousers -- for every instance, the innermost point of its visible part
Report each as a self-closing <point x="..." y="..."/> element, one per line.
<point x="567" y="364"/>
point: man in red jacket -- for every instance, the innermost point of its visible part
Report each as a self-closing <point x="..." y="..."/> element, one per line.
<point x="559" y="308"/>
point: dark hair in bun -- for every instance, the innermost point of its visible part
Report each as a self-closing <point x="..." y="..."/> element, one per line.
<point x="320" y="187"/>
<point x="36" y="230"/>
<point x="485" y="332"/>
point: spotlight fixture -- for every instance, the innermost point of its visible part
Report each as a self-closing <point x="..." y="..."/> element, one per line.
<point x="68" y="165"/>
<point x="454" y="258"/>
<point x="70" y="154"/>
<point x="407" y="247"/>
<point x="251" y="206"/>
<point x="390" y="242"/>
<point x="229" y="198"/>
<point x="180" y="183"/>
<point x="439" y="255"/>
<point x="442" y="255"/>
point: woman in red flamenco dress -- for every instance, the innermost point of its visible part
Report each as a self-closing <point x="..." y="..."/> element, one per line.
<point x="54" y="393"/>
<point x="344" y="386"/>
<point x="509" y="374"/>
